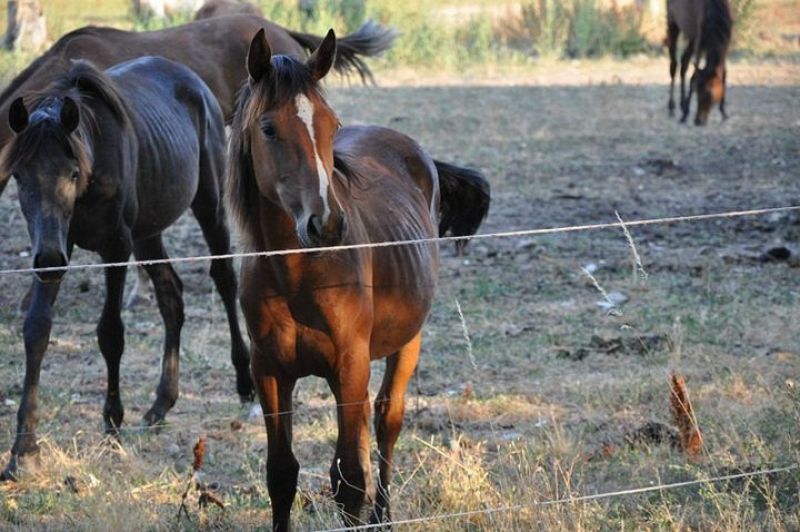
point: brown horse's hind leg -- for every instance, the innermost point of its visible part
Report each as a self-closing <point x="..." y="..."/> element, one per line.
<point x="111" y="336"/>
<point x="169" y="294"/>
<point x="275" y="394"/>
<point x="685" y="100"/>
<point x="389" y="410"/>
<point x="351" y="478"/>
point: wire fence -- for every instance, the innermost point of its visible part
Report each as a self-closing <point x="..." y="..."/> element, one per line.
<point x="569" y="500"/>
<point x="621" y="224"/>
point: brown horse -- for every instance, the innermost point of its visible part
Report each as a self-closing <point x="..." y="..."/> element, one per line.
<point x="707" y="26"/>
<point x="213" y="48"/>
<point x="297" y="180"/>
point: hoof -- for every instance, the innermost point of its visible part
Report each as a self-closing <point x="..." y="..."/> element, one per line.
<point x="154" y="417"/>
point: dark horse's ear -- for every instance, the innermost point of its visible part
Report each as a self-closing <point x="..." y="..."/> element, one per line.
<point x="322" y="59"/>
<point x="258" y="57"/>
<point x="70" y="115"/>
<point x="18" y="116"/>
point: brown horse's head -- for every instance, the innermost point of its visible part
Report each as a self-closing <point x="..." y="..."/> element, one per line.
<point x="710" y="89"/>
<point x="290" y="131"/>
<point x="51" y="168"/>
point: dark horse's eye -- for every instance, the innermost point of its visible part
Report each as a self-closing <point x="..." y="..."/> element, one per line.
<point x="75" y="174"/>
<point x="269" y="130"/>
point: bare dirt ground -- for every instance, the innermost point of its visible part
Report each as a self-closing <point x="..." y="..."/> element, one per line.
<point x="551" y="395"/>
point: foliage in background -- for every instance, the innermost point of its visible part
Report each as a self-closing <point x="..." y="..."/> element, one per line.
<point x="582" y="28"/>
<point x="744" y="34"/>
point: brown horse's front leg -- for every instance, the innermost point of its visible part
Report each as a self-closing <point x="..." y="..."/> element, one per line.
<point x="275" y="393"/>
<point x="36" y="332"/>
<point x="389" y="410"/>
<point x="724" y="91"/>
<point x="351" y="477"/>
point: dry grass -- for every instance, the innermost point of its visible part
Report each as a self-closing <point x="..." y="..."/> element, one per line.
<point x="544" y="410"/>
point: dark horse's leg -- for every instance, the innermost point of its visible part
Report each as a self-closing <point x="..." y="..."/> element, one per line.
<point x="724" y="91"/>
<point x="36" y="332"/>
<point x="210" y="214"/>
<point x="672" y="43"/>
<point x="686" y="100"/>
<point x="111" y="333"/>
<point x="389" y="409"/>
<point x="169" y="294"/>
<point x="351" y="478"/>
<point x="275" y="393"/>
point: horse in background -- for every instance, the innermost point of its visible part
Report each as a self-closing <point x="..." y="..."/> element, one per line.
<point x="213" y="48"/>
<point x="707" y="26"/>
<point x="107" y="161"/>
<point x="297" y="179"/>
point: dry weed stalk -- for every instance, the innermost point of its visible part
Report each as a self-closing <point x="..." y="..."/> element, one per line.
<point x="689" y="437"/>
<point x="638" y="267"/>
<point x="206" y="497"/>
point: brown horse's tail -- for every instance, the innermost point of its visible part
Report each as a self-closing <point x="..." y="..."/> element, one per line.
<point x="464" y="202"/>
<point x="369" y="40"/>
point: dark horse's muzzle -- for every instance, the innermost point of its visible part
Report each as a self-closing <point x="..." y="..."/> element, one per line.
<point x="49" y="257"/>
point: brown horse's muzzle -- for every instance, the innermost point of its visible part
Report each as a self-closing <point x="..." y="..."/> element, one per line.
<point x="313" y="233"/>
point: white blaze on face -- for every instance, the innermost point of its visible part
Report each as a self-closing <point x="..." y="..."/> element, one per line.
<point x="305" y="111"/>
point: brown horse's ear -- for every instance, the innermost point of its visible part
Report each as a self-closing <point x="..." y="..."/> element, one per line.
<point x="18" y="116"/>
<point x="70" y="114"/>
<point x="258" y="57"/>
<point x="322" y="59"/>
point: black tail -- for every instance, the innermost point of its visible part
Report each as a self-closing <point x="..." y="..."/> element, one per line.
<point x="464" y="201"/>
<point x="369" y="40"/>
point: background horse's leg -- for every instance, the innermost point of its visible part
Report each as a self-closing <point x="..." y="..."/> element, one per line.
<point x="36" y="332"/>
<point x="672" y="43"/>
<point x="275" y="394"/>
<point x="389" y="410"/>
<point x="724" y="92"/>
<point x="111" y="334"/>
<point x="685" y="100"/>
<point x="351" y="478"/>
<point x="210" y="214"/>
<point x="169" y="294"/>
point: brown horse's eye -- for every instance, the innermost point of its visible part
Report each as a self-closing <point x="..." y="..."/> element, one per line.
<point x="75" y="175"/>
<point x="269" y="130"/>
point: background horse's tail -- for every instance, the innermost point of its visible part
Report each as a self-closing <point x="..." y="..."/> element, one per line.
<point x="369" y="40"/>
<point x="464" y="201"/>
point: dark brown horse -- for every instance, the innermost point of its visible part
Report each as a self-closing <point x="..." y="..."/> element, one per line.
<point x="298" y="180"/>
<point x="212" y="47"/>
<point x="707" y="26"/>
<point x="106" y="161"/>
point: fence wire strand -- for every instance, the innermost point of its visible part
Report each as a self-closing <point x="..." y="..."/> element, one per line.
<point x="566" y="500"/>
<point x="432" y="240"/>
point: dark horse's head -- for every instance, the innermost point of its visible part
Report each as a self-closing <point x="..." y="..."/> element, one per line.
<point x="51" y="165"/>
<point x="282" y="138"/>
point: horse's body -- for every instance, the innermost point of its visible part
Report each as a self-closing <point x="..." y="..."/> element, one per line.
<point x="107" y="161"/>
<point x="295" y="182"/>
<point x="212" y="47"/>
<point x="706" y="26"/>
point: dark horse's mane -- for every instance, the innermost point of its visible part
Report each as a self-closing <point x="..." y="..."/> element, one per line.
<point x="716" y="32"/>
<point x="83" y="80"/>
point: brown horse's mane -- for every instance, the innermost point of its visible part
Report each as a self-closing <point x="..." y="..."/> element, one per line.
<point x="82" y="81"/>
<point x="716" y="32"/>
